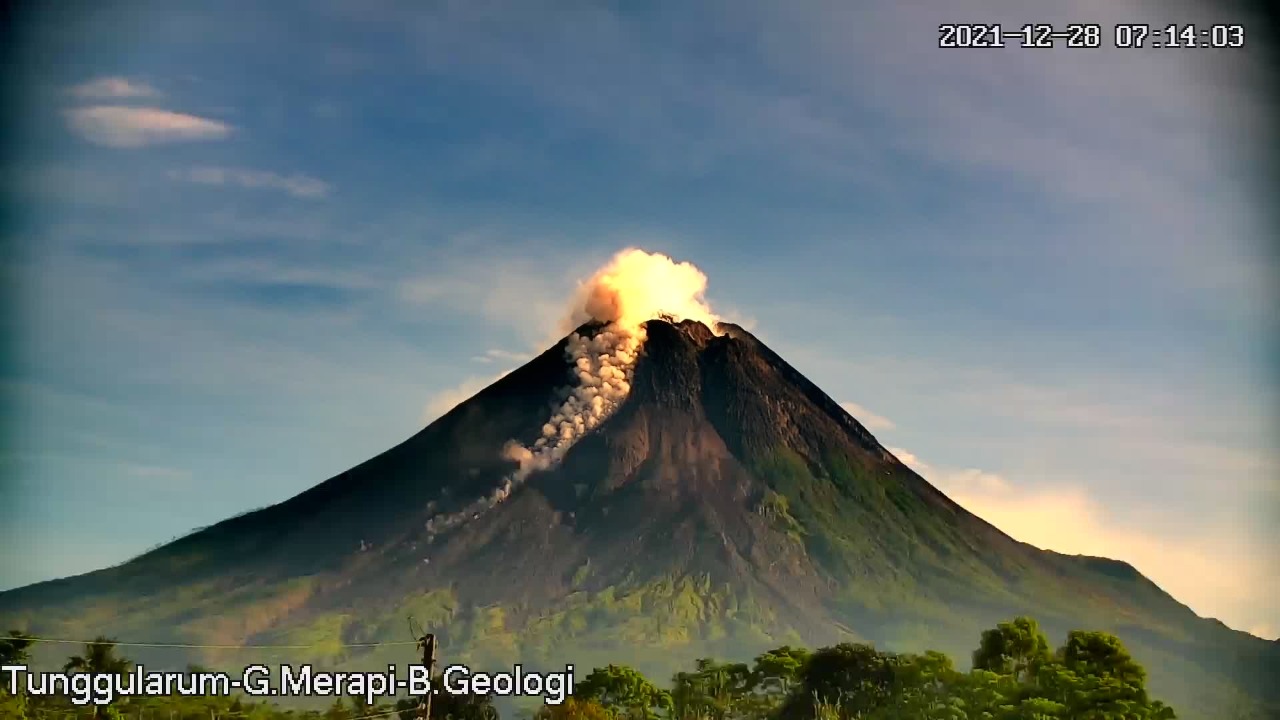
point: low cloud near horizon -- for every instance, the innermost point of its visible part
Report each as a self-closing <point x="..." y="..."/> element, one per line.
<point x="1202" y="569"/>
<point x="869" y="420"/>
<point x="1085" y="329"/>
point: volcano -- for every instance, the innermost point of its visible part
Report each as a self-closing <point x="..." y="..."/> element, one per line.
<point x="727" y="506"/>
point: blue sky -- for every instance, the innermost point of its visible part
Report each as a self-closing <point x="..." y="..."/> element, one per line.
<point x="260" y="244"/>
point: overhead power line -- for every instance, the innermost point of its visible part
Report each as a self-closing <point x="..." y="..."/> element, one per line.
<point x="209" y="647"/>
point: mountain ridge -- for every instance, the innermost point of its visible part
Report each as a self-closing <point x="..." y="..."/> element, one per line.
<point x="729" y="504"/>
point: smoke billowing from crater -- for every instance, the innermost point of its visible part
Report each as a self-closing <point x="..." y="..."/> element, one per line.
<point x="637" y="286"/>
<point x="634" y="287"/>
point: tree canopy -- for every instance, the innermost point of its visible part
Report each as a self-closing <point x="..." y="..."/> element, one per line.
<point x="1015" y="676"/>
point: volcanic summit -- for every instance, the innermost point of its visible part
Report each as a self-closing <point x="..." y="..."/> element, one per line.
<point x="707" y="500"/>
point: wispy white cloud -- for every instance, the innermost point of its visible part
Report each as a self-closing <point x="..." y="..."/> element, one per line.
<point x="446" y="400"/>
<point x="297" y="184"/>
<point x="857" y="100"/>
<point x="497" y="354"/>
<point x="280" y="271"/>
<point x="910" y="459"/>
<point x="1136" y="426"/>
<point x="114" y="88"/>
<point x="1215" y="570"/>
<point x="872" y="421"/>
<point x="861" y="105"/>
<point x="480" y="277"/>
<point x="133" y="127"/>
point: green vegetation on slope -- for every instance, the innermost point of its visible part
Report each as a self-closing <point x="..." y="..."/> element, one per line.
<point x="900" y="575"/>
<point x="866" y="527"/>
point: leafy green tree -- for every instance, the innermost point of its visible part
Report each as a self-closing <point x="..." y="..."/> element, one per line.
<point x="13" y="649"/>
<point x="622" y="689"/>
<point x="99" y="658"/>
<point x="1092" y="677"/>
<point x="361" y="707"/>
<point x="1103" y="655"/>
<point x="1014" y="648"/>
<point x="450" y="706"/>
<point x="1059" y="683"/>
<point x="573" y="708"/>
<point x="1095" y="677"/>
<point x="1036" y="708"/>
<point x="778" y="669"/>
<point x="713" y="690"/>
<point x="337" y="711"/>
<point x="924" y="687"/>
<point x="984" y="694"/>
<point x="407" y="708"/>
<point x="854" y="677"/>
<point x="688" y="698"/>
<point x="13" y="706"/>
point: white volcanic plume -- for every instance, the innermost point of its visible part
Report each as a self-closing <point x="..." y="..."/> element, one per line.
<point x="634" y="287"/>
<point x="637" y="286"/>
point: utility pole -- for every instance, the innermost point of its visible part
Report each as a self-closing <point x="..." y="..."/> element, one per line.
<point x="427" y="643"/>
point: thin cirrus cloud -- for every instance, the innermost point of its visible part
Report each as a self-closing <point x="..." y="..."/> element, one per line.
<point x="133" y="127"/>
<point x="297" y="184"/>
<point x="114" y="88"/>
<point x="497" y="354"/>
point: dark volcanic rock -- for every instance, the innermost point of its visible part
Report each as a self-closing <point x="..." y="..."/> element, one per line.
<point x="728" y="506"/>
